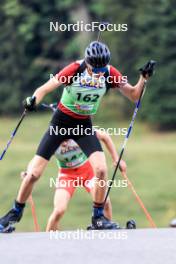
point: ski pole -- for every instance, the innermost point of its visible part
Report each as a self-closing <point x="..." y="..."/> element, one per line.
<point x="138" y="199"/>
<point x="13" y="134"/>
<point x="103" y="26"/>
<point x="32" y="204"/>
<point x="52" y="106"/>
<point x="125" y="141"/>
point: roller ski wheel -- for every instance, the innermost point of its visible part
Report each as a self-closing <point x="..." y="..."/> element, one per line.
<point x="90" y="227"/>
<point x="131" y="224"/>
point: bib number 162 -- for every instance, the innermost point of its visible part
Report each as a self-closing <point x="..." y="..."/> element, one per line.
<point x="93" y="98"/>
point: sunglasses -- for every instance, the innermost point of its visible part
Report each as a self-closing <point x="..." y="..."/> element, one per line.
<point x="98" y="70"/>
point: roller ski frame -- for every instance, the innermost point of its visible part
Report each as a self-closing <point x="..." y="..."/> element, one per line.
<point x="8" y="229"/>
<point x="130" y="224"/>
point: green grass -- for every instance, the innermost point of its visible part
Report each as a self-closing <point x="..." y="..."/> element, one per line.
<point x="150" y="157"/>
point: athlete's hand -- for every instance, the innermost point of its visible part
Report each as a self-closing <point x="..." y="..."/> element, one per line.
<point x="148" y="69"/>
<point x="30" y="103"/>
<point x="122" y="166"/>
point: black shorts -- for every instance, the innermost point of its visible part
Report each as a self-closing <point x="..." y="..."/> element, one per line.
<point x="64" y="127"/>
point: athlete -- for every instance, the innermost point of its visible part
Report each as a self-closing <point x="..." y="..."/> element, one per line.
<point x="75" y="170"/>
<point x="80" y="100"/>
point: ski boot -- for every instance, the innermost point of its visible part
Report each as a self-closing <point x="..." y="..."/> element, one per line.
<point x="12" y="217"/>
<point x="9" y="229"/>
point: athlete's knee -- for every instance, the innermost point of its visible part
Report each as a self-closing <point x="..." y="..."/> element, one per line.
<point x="33" y="175"/>
<point x="59" y="212"/>
<point x="100" y="171"/>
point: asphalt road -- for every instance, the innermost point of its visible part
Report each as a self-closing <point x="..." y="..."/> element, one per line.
<point x="143" y="246"/>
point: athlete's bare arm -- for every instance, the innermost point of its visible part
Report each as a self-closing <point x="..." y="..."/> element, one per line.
<point x="133" y="92"/>
<point x="56" y="81"/>
<point x="46" y="88"/>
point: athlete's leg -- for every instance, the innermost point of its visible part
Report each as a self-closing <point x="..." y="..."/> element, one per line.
<point x="34" y="170"/>
<point x="97" y="159"/>
<point x="48" y="145"/>
<point x="107" y="207"/>
<point x="33" y="173"/>
<point x="46" y="149"/>
<point x="98" y="162"/>
<point x="92" y="148"/>
<point x="61" y="200"/>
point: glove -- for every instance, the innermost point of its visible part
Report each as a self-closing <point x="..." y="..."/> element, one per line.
<point x="148" y="69"/>
<point x="30" y="103"/>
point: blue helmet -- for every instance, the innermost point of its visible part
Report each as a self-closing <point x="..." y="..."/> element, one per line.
<point x="97" y="54"/>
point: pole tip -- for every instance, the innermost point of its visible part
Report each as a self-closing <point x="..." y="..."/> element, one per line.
<point x="103" y="25"/>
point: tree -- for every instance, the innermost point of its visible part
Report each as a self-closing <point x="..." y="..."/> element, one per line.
<point x="151" y="35"/>
<point x="29" y="51"/>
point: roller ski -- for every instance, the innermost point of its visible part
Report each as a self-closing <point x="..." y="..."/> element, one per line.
<point x="8" y="229"/>
<point x="102" y="223"/>
<point x="8" y="221"/>
<point x="131" y="224"/>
